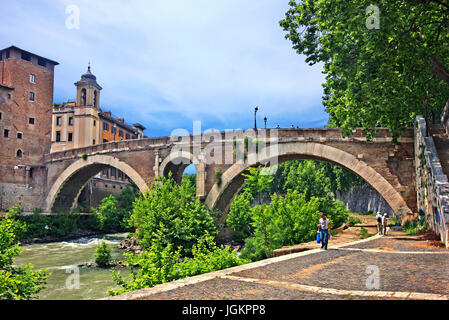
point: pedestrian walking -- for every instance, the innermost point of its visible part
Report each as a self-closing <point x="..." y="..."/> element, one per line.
<point x="379" y="222"/>
<point x="384" y="224"/>
<point x="324" y="228"/>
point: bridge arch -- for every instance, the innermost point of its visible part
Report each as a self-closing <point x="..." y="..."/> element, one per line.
<point x="176" y="162"/>
<point x="64" y="193"/>
<point x="220" y="197"/>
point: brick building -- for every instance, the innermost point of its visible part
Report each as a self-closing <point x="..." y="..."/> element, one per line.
<point x="26" y="99"/>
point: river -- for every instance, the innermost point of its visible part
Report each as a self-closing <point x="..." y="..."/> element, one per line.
<point x="61" y="259"/>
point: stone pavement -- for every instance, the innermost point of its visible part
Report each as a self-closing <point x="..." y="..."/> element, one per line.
<point x="407" y="268"/>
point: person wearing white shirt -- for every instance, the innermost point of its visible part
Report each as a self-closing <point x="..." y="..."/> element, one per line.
<point x="324" y="228"/>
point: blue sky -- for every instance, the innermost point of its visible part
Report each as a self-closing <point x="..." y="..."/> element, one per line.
<point x="168" y="63"/>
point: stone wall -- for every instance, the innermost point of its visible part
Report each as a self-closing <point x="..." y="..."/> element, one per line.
<point x="364" y="198"/>
<point x="432" y="186"/>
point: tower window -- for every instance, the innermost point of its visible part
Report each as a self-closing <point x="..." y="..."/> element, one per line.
<point x="32" y="78"/>
<point x="83" y="97"/>
<point x="26" y="56"/>
<point x="19" y="153"/>
<point x="41" y="62"/>
<point x="31" y="120"/>
<point x="31" y="96"/>
<point x="6" y="133"/>
<point x="58" y="136"/>
<point x="19" y="135"/>
<point x="70" y="121"/>
<point x="95" y="98"/>
<point x="70" y="137"/>
<point x="58" y="121"/>
<point x="95" y="123"/>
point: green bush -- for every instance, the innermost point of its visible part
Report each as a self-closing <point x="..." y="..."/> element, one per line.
<point x="16" y="283"/>
<point x="416" y="226"/>
<point x="176" y="211"/>
<point x="109" y="215"/>
<point x="240" y="216"/>
<point x="162" y="263"/>
<point x="102" y="254"/>
<point x="353" y="221"/>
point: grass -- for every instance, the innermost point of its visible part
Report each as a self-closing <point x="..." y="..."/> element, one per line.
<point x="353" y="221"/>
<point x="364" y="233"/>
<point x="415" y="227"/>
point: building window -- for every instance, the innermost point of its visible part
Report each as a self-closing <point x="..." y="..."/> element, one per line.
<point x="41" y="62"/>
<point x="70" y="121"/>
<point x="70" y="137"/>
<point x="19" y="153"/>
<point x="26" y="56"/>
<point x="95" y="123"/>
<point x="58" y="136"/>
<point x="0" y="116"/>
<point x="105" y="126"/>
<point x="83" y="97"/>
<point x="31" y="96"/>
<point x="19" y="135"/>
<point x="120" y="174"/>
<point x="1" y="56"/>
<point x="9" y="96"/>
<point x="127" y="136"/>
<point x="95" y="98"/>
<point x="32" y="78"/>
<point x="105" y="172"/>
<point x="7" y="55"/>
<point x="113" y="170"/>
<point x="58" y="121"/>
<point x="105" y="140"/>
<point x="31" y="120"/>
<point x="94" y="141"/>
<point x="6" y="133"/>
<point x="31" y="173"/>
<point x="120" y="133"/>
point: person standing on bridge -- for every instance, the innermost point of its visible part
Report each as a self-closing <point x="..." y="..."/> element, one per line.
<point x="324" y="227"/>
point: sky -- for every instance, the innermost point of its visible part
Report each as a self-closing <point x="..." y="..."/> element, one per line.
<point x="166" y="64"/>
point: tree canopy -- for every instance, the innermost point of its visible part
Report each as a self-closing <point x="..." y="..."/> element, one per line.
<point x="384" y="64"/>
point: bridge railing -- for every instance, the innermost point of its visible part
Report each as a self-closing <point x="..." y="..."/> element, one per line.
<point x="432" y="184"/>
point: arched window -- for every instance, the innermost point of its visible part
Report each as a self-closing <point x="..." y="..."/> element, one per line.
<point x="95" y="98"/>
<point x="83" y="97"/>
<point x="19" y="153"/>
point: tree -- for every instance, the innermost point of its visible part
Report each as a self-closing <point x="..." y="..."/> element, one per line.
<point x="176" y="211"/>
<point x="383" y="76"/>
<point x="240" y="216"/>
<point x="256" y="182"/>
<point x="16" y="283"/>
<point x="102" y="254"/>
<point x="108" y="214"/>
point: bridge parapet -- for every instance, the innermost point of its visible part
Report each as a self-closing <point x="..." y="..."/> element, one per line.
<point x="432" y="184"/>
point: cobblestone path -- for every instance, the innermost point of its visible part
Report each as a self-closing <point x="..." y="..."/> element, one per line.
<point x="389" y="267"/>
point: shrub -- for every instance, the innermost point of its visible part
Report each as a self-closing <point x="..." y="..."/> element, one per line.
<point x="240" y="216"/>
<point x="353" y="221"/>
<point x="102" y="254"/>
<point x="176" y="211"/>
<point x="162" y="263"/>
<point x="16" y="283"/>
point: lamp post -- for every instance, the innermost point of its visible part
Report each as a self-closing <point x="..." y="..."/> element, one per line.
<point x="115" y="130"/>
<point x="255" y="121"/>
<point x="265" y="120"/>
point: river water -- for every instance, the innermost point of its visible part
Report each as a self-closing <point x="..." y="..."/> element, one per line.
<point x="63" y="260"/>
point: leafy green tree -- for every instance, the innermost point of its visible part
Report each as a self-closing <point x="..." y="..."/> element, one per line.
<point x="309" y="179"/>
<point x="102" y="254"/>
<point x="108" y="214"/>
<point x="16" y="283"/>
<point x="375" y="76"/>
<point x="257" y="183"/>
<point x="125" y="202"/>
<point x="176" y="210"/>
<point x="240" y="216"/>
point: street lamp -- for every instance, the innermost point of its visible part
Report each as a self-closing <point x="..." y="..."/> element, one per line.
<point x="255" y="121"/>
<point x="115" y="130"/>
<point x="265" y="120"/>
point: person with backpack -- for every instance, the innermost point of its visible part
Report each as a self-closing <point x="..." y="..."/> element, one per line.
<point x="379" y="222"/>
<point x="324" y="228"/>
<point x="384" y="224"/>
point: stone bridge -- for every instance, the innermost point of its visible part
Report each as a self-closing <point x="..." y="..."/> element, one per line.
<point x="220" y="158"/>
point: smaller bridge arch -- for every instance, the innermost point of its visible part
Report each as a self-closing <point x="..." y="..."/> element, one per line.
<point x="221" y="196"/>
<point x="64" y="193"/>
<point x="176" y="162"/>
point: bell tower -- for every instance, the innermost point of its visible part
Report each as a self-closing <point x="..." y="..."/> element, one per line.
<point x="88" y="90"/>
<point x="86" y="127"/>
